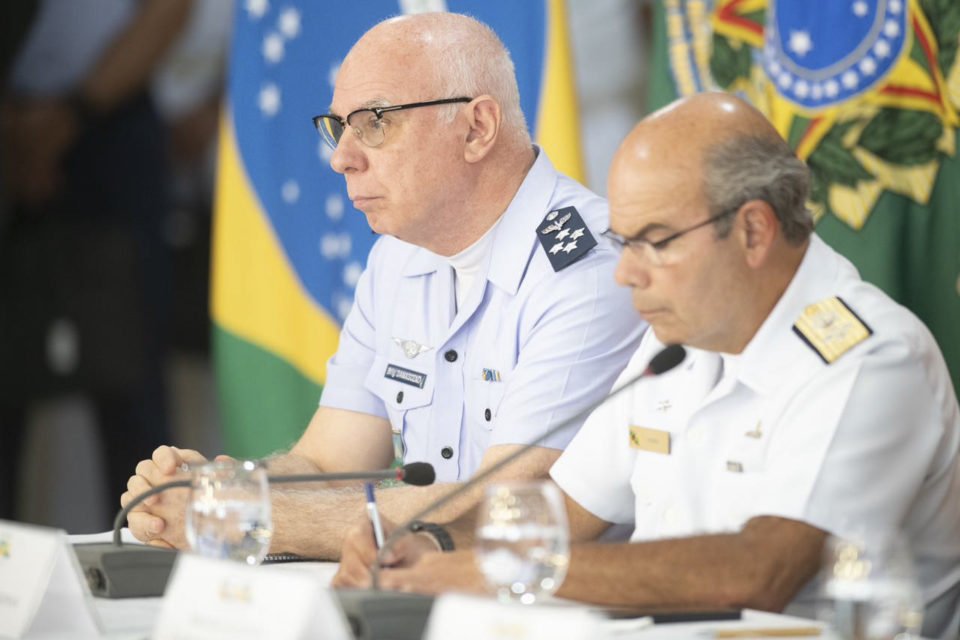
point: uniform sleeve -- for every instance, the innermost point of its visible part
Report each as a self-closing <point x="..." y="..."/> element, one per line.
<point x="857" y="443"/>
<point x="584" y="333"/>
<point x="348" y="368"/>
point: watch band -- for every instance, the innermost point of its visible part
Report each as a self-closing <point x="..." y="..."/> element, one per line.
<point x="437" y="532"/>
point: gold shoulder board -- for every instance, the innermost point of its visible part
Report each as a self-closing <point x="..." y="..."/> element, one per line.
<point x="831" y="328"/>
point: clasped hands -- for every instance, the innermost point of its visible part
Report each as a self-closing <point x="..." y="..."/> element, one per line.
<point x="159" y="520"/>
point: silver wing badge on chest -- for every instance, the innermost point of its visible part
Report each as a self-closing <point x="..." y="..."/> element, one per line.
<point x="411" y="348"/>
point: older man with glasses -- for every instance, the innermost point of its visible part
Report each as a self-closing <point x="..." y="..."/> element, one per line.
<point x="487" y="313"/>
<point x="810" y="403"/>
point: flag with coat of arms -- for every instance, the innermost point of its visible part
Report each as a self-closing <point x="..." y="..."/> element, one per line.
<point x="867" y="92"/>
<point x="288" y="246"/>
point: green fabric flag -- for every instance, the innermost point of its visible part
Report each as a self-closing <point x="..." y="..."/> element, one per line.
<point x="868" y="94"/>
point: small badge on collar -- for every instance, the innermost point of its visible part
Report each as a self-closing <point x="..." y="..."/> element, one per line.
<point x="831" y="328"/>
<point x="411" y="348"/>
<point x="565" y="237"/>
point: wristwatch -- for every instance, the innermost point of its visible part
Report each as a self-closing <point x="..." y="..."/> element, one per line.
<point x="438" y="533"/>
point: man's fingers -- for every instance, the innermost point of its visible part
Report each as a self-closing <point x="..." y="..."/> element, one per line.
<point x="144" y="526"/>
<point x="135" y="486"/>
<point x="167" y="459"/>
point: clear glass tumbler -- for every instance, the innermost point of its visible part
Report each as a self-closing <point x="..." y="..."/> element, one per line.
<point x="229" y="512"/>
<point x="870" y="589"/>
<point x="523" y="541"/>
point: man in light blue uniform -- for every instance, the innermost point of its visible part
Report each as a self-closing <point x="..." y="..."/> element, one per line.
<point x="527" y="348"/>
<point x="488" y="312"/>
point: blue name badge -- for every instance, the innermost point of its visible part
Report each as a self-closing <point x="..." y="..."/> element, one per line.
<point x="406" y="376"/>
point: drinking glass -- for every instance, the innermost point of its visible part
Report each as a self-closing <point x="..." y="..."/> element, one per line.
<point x="870" y="588"/>
<point x="523" y="542"/>
<point x="229" y="511"/>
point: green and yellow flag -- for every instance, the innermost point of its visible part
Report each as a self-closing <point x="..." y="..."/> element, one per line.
<point x="867" y="92"/>
<point x="288" y="248"/>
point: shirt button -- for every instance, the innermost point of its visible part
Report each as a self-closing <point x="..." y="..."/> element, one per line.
<point x="450" y="356"/>
<point x="446" y="452"/>
<point x="487" y="415"/>
<point x="399" y="397"/>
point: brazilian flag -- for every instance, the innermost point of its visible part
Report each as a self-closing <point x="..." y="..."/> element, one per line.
<point x="288" y="247"/>
<point x="867" y="92"/>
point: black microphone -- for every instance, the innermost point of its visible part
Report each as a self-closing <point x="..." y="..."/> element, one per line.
<point x="135" y="571"/>
<point x="375" y="613"/>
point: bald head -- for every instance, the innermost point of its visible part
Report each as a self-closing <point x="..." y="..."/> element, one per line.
<point x="449" y="55"/>
<point x="723" y="150"/>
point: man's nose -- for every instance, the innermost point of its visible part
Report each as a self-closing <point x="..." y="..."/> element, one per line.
<point x="350" y="155"/>
<point x="632" y="271"/>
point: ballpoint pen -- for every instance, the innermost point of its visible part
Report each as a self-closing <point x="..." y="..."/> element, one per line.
<point x="373" y="514"/>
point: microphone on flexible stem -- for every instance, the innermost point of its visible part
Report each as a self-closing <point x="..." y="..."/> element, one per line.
<point x="665" y="360"/>
<point x="115" y="571"/>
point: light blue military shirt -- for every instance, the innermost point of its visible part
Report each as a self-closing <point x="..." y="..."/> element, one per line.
<point x="530" y="347"/>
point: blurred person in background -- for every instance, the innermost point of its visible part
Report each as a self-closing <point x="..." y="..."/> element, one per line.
<point x="84" y="273"/>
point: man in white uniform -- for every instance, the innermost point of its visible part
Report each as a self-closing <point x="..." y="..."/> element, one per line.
<point x="809" y="403"/>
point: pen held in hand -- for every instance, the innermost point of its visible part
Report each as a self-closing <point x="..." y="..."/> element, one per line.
<point x="374" y="514"/>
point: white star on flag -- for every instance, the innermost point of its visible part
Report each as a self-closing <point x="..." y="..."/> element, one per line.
<point x="256" y="8"/>
<point x="860" y="8"/>
<point x="800" y="43"/>
<point x="269" y="100"/>
<point x="273" y="48"/>
<point x="289" y="23"/>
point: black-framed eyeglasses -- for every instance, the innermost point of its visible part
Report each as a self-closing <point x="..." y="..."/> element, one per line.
<point x="367" y="123"/>
<point x="653" y="251"/>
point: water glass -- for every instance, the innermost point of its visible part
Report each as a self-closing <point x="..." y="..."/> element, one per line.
<point x="229" y="512"/>
<point x="523" y="542"/>
<point x="870" y="588"/>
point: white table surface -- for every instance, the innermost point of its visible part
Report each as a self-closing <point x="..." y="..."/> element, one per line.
<point x="134" y="618"/>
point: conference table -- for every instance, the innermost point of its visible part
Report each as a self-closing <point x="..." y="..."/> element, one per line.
<point x="134" y="618"/>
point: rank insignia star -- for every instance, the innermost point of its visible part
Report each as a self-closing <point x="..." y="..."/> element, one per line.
<point x="565" y="237"/>
<point x="411" y="348"/>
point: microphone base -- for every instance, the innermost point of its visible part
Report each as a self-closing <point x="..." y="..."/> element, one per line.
<point x="385" y="614"/>
<point x="130" y="571"/>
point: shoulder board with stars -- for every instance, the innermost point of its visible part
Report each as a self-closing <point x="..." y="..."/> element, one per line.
<point x="565" y="237"/>
<point x="831" y="328"/>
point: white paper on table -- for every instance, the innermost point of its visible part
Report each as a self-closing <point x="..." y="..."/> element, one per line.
<point x="42" y="589"/>
<point x="472" y="618"/>
<point x="214" y="599"/>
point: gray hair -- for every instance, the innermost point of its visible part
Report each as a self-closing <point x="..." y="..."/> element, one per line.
<point x="751" y="167"/>
<point x="469" y="59"/>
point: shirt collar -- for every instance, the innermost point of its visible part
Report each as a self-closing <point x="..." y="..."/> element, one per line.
<point x="764" y="360"/>
<point x="515" y="233"/>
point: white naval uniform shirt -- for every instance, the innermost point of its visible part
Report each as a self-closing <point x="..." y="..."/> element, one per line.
<point x="869" y="441"/>
<point x="528" y="348"/>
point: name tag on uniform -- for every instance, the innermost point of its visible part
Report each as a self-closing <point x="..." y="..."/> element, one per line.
<point x="652" y="440"/>
<point x="406" y="376"/>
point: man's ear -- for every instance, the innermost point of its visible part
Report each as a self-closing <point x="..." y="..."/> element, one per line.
<point x="484" y="118"/>
<point x="756" y="228"/>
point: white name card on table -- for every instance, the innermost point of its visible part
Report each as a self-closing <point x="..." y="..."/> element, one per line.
<point x="42" y="590"/>
<point x="213" y="599"/>
<point x="471" y="618"/>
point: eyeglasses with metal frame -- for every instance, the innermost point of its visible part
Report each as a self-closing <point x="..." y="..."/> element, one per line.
<point x="367" y="123"/>
<point x="653" y="251"/>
